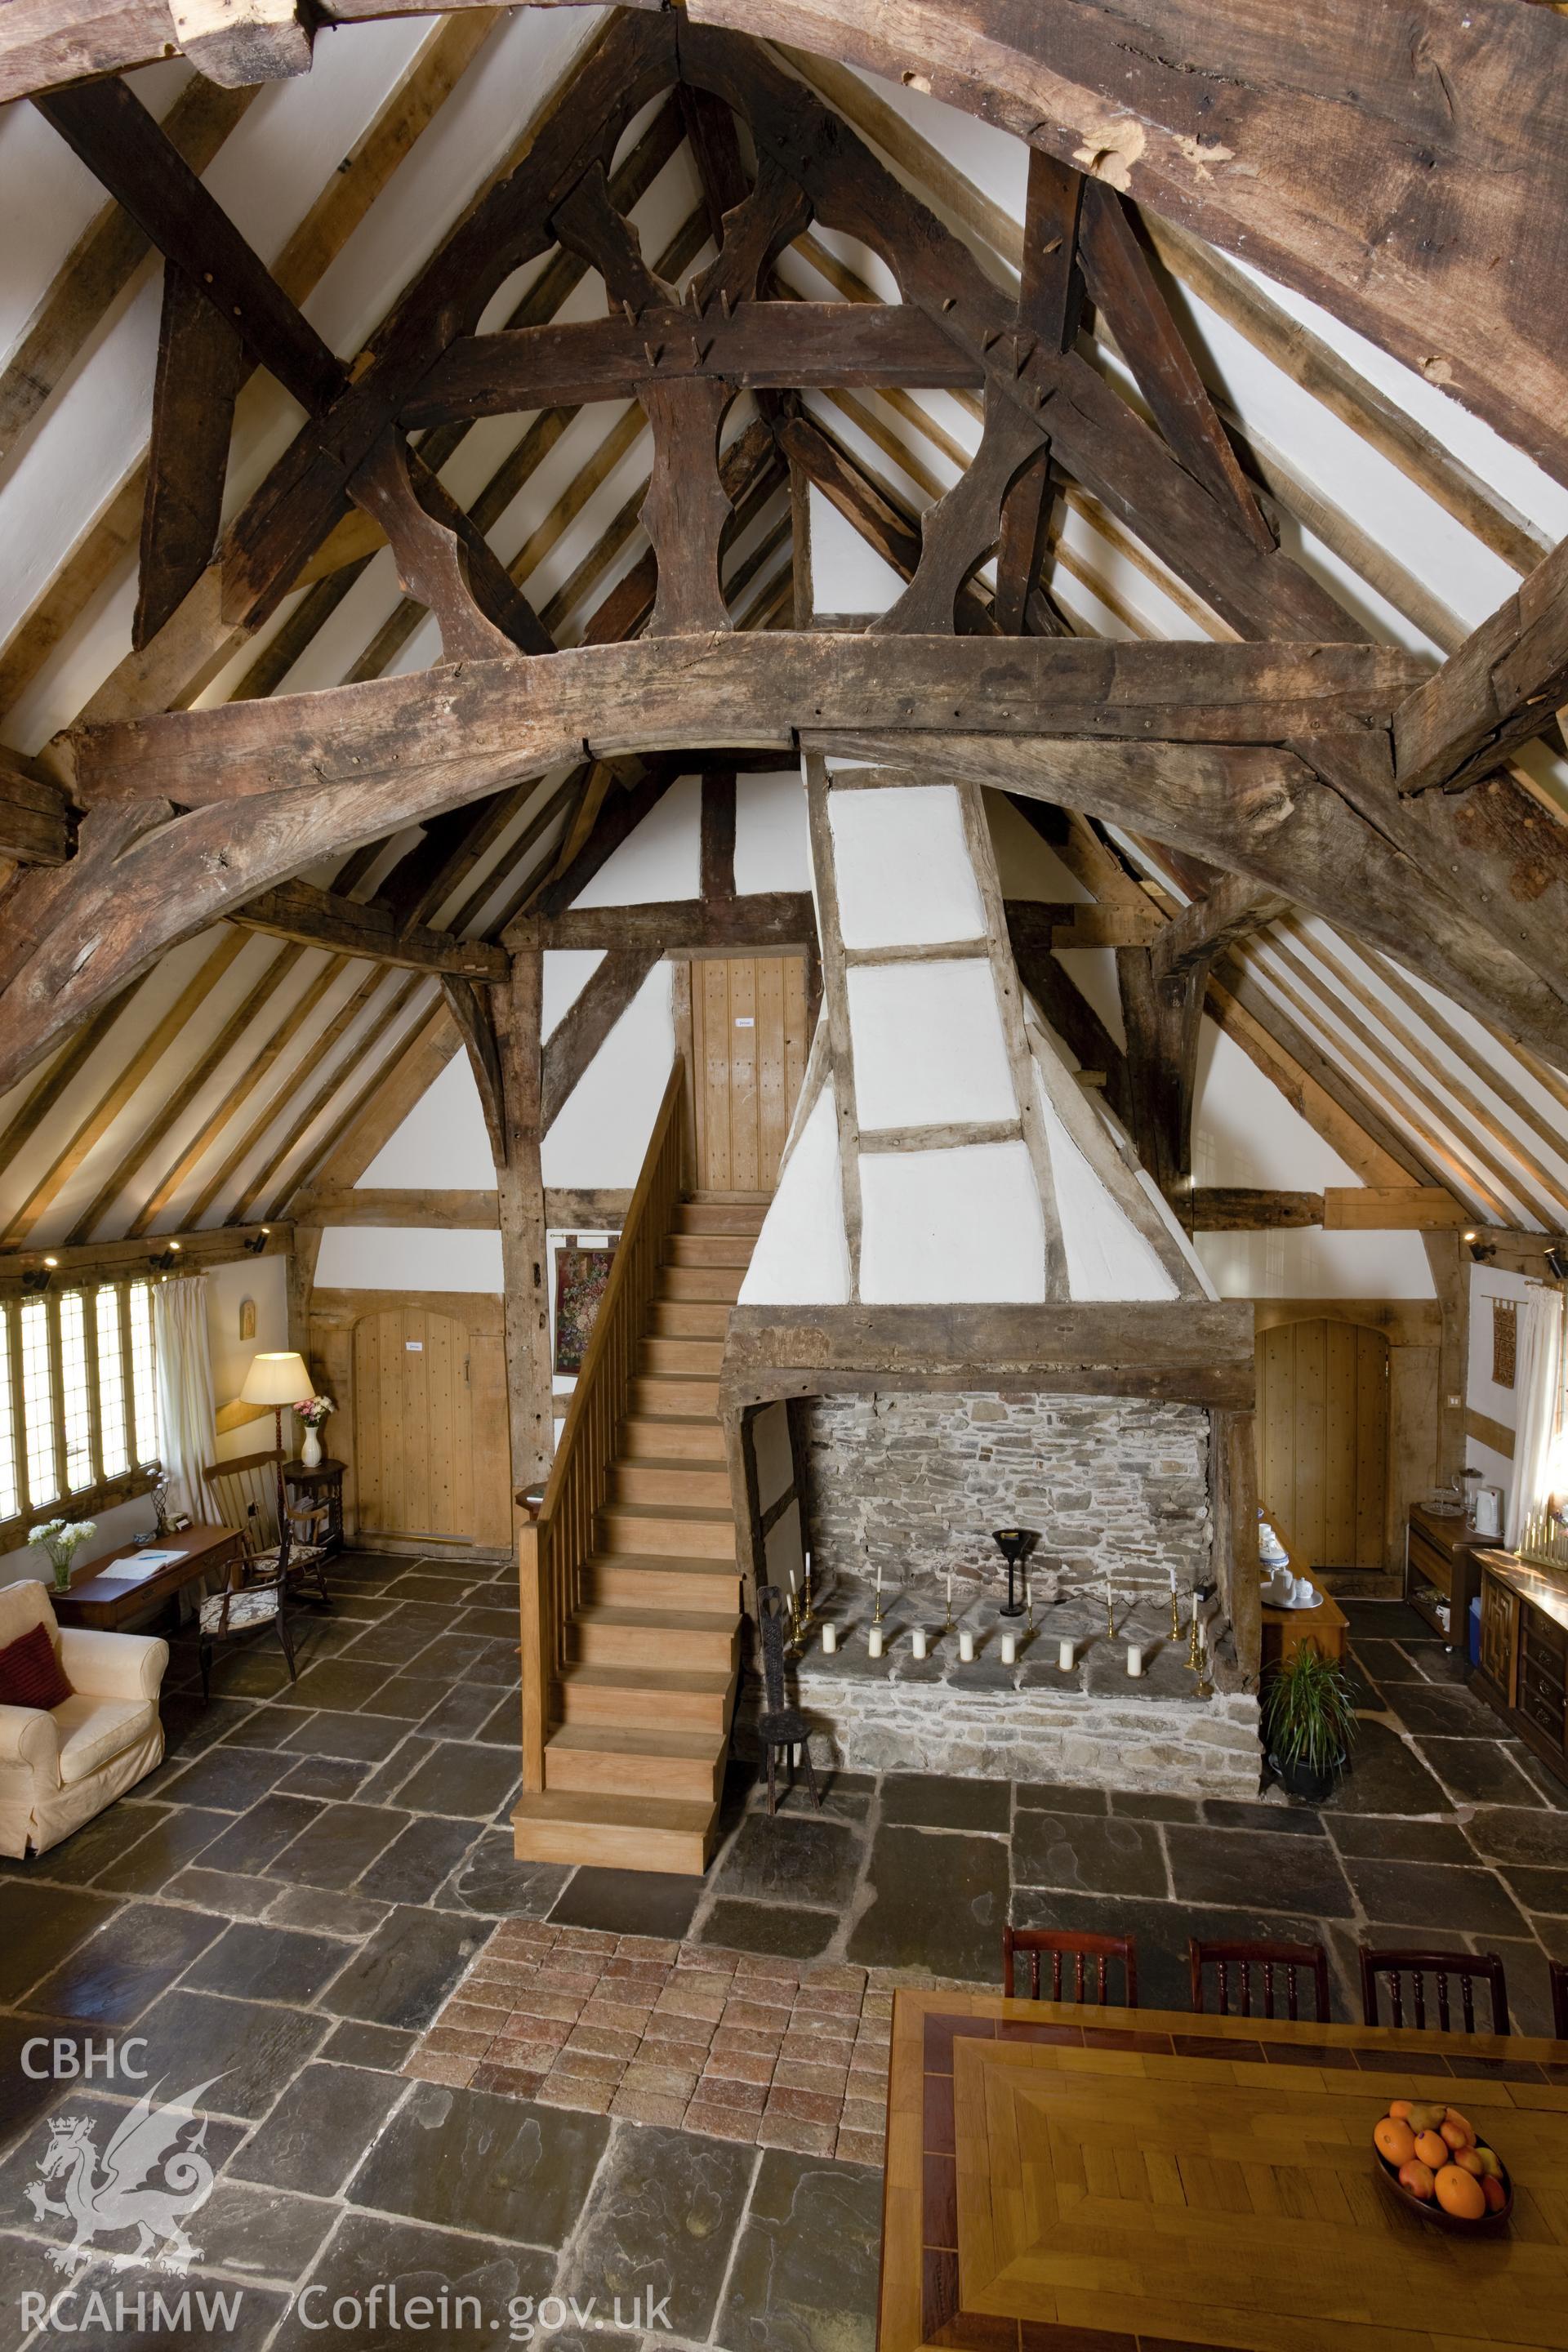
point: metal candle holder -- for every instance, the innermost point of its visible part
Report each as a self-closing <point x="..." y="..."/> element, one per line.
<point x="1014" y="1544"/>
<point x="1175" y="1616"/>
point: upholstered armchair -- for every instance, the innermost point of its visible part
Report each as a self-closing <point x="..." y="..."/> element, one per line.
<point x="61" y="1765"/>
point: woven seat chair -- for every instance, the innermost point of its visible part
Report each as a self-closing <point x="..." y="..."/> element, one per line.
<point x="246" y="1491"/>
<point x="249" y="1601"/>
<point x="780" y="1725"/>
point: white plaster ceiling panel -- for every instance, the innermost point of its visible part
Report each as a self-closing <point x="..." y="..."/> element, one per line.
<point x="442" y="1144"/>
<point x="955" y="1225"/>
<point x="802" y="1257"/>
<point x="660" y="858"/>
<point x="928" y="1043"/>
<point x="1107" y="1256"/>
<point x="902" y="866"/>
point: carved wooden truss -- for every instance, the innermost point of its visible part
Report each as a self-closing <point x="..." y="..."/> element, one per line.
<point x="1334" y="774"/>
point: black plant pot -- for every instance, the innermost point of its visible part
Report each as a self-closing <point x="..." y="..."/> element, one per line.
<point x="1306" y="1781"/>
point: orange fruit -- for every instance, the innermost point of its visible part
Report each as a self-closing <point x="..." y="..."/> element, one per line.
<point x="1416" y="2178"/>
<point x="1400" y="2110"/>
<point x="1494" y="2192"/>
<point x="1469" y="2161"/>
<point x="1395" y="2140"/>
<point x="1431" y="2150"/>
<point x="1457" y="2133"/>
<point x="1460" y="2193"/>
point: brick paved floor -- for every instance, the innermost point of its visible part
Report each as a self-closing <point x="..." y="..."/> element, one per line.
<point x="737" y="2044"/>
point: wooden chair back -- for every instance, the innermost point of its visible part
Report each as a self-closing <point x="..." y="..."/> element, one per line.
<point x="1392" y="1967"/>
<point x="1260" y="1963"/>
<point x="1036" y="1944"/>
<point x="1559" y="1971"/>
<point x="245" y="1496"/>
<point x="241" y="1579"/>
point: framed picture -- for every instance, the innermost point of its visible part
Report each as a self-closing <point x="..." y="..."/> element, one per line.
<point x="582" y="1278"/>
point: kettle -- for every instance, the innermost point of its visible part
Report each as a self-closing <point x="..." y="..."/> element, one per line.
<point x="1486" y="1511"/>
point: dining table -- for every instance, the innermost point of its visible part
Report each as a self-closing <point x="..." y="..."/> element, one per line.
<point x="1062" y="2178"/>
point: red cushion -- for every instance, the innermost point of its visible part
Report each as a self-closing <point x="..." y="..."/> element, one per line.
<point x="30" y="1674"/>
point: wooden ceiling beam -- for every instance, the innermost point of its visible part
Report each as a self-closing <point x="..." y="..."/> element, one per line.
<point x="1406" y="252"/>
<point x="202" y="364"/>
<point x="36" y="826"/>
<point x="124" y="147"/>
<point x="759" y="922"/>
<point x="193" y="1248"/>
<point x="1230" y="911"/>
<point x="321" y="918"/>
<point x="1508" y="680"/>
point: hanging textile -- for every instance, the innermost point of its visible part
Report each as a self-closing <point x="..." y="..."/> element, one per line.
<point x="186" y="1418"/>
<point x="1538" y="1384"/>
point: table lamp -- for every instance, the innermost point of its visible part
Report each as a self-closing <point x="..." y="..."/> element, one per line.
<point x="277" y="1380"/>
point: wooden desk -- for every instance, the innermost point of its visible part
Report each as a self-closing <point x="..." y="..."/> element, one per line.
<point x="1065" y="2179"/>
<point x="111" y="1602"/>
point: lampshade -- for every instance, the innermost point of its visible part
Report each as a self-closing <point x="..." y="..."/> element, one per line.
<point x="277" y="1380"/>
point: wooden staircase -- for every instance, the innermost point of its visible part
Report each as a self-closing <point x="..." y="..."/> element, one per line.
<point x="636" y="1721"/>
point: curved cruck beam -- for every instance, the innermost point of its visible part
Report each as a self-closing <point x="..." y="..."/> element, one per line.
<point x="1186" y="740"/>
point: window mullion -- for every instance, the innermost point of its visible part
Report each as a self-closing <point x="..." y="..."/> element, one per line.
<point x="57" y="1395"/>
<point x="94" y="1402"/>
<point x="132" y="1433"/>
<point x="19" y="1411"/>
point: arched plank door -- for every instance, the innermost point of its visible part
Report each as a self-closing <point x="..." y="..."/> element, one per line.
<point x="1322" y="1438"/>
<point x="430" y="1433"/>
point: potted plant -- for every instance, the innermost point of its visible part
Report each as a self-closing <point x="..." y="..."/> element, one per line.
<point x="1309" y="1722"/>
<point x="313" y="1410"/>
<point x="60" y="1539"/>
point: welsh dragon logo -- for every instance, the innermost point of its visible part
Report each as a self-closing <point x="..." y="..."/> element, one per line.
<point x="145" y="2181"/>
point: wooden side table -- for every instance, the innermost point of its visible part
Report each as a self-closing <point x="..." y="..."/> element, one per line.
<point x="325" y="1483"/>
<point x="109" y="1601"/>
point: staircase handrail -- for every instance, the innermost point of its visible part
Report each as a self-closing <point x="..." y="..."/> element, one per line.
<point x="554" y="1550"/>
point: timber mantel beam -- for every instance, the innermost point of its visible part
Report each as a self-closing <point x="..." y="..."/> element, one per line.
<point x="319" y="918"/>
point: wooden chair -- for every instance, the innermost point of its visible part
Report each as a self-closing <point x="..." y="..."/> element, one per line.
<point x="1268" y="1957"/>
<point x="1558" y="1974"/>
<point x="248" y="1604"/>
<point x="246" y="1492"/>
<point x="780" y="1725"/>
<point x="1484" y="1968"/>
<point x="1065" y="1945"/>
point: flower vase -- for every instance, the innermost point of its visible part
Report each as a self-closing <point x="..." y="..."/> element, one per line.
<point x="310" y="1450"/>
<point x="62" y="1568"/>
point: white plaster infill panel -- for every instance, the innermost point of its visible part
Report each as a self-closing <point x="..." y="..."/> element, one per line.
<point x="1107" y="1256"/>
<point x="928" y="1043"/>
<point x="773" y="839"/>
<point x="802" y="1257"/>
<point x="956" y="1224"/>
<point x="408" y="1258"/>
<point x="902" y="866"/>
<point x="441" y="1145"/>
<point x="661" y="858"/>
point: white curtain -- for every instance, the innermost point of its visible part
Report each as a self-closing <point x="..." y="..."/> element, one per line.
<point x="187" y="1420"/>
<point x="1538" y="1383"/>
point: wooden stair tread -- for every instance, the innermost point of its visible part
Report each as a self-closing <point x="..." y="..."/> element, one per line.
<point x="664" y="1563"/>
<point x="681" y="1682"/>
<point x="636" y="1740"/>
<point x="655" y="1621"/>
<point x="609" y="1810"/>
<point x="707" y="1512"/>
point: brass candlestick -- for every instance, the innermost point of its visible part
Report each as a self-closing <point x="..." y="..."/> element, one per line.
<point x="1195" y="1653"/>
<point x="1175" y="1616"/>
<point x="808" y="1614"/>
<point x="1110" y="1614"/>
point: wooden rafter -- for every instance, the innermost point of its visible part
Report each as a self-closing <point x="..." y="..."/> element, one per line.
<point x="323" y="918"/>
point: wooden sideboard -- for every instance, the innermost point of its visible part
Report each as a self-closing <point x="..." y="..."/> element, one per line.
<point x="1440" y="1556"/>
<point x="1523" y="1669"/>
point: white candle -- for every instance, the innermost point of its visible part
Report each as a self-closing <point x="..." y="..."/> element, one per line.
<point x="879" y="1579"/>
<point x="950" y="1592"/>
<point x="918" y="1641"/>
<point x="1172" y="1580"/>
<point x="1009" y="1649"/>
<point x="792" y="1579"/>
<point x="830" y="1640"/>
<point x="1065" y="1656"/>
<point x="1134" y="1659"/>
<point x="966" y="1646"/>
<point x="874" y="1642"/>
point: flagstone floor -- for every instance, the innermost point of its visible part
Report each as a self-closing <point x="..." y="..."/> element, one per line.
<point x="313" y="1910"/>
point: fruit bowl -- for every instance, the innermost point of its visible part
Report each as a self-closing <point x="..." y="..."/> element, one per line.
<point x="1442" y="2189"/>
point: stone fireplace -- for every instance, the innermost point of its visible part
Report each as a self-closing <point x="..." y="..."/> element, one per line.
<point x="978" y="1311"/>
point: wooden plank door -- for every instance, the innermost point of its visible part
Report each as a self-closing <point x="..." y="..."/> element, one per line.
<point x="430" y="1445"/>
<point x="1323" y="1436"/>
<point x="748" y="1059"/>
